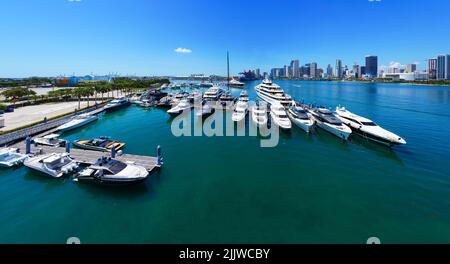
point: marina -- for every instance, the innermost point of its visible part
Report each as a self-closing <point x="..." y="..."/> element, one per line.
<point x="287" y="179"/>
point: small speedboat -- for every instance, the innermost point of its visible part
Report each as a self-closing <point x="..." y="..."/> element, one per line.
<point x="100" y="144"/>
<point x="55" y="165"/>
<point x="368" y="129"/>
<point x="77" y="121"/>
<point x="113" y="172"/>
<point x="300" y="118"/>
<point x="279" y="116"/>
<point x="179" y="108"/>
<point x="51" y="140"/>
<point x="259" y="114"/>
<point x="10" y="157"/>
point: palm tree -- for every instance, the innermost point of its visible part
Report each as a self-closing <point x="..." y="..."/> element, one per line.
<point x="78" y="92"/>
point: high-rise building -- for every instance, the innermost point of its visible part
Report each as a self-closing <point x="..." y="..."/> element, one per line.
<point x="363" y="70"/>
<point x="338" y="70"/>
<point x="372" y="66"/>
<point x="313" y="70"/>
<point x="286" y="71"/>
<point x="357" y="71"/>
<point x="258" y="73"/>
<point x="307" y="70"/>
<point x="410" y="68"/>
<point x="432" y="65"/>
<point x="329" y="71"/>
<point x="295" y="65"/>
<point x="441" y="67"/>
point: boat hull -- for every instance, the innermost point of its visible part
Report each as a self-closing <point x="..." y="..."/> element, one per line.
<point x="338" y="133"/>
<point x="87" y="121"/>
<point x="305" y="126"/>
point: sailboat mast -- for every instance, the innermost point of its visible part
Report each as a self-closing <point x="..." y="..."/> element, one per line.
<point x="228" y="71"/>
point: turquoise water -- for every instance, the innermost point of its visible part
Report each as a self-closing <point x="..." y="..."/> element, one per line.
<point x="309" y="189"/>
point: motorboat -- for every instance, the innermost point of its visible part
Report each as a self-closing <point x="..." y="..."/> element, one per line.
<point x="279" y="116"/>
<point x="240" y="111"/>
<point x="213" y="93"/>
<point x="368" y="129"/>
<point x="273" y="94"/>
<point x="179" y="108"/>
<point x="99" y="144"/>
<point x="195" y="96"/>
<point x="328" y="121"/>
<point x="165" y="101"/>
<point x="206" y="109"/>
<point x="55" y="165"/>
<point x="243" y="96"/>
<point x="147" y="103"/>
<point x="112" y="172"/>
<point x="226" y="98"/>
<point x="259" y="114"/>
<point x="207" y="84"/>
<point x="117" y="103"/>
<point x="236" y="83"/>
<point x="10" y="157"/>
<point x="300" y="117"/>
<point x="77" y="121"/>
<point x="51" y="140"/>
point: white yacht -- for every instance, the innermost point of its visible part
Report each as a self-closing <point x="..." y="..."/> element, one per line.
<point x="259" y="114"/>
<point x="226" y="98"/>
<point x="179" y="108"/>
<point x="240" y="111"/>
<point x="326" y="120"/>
<point x="300" y="118"/>
<point x="368" y="129"/>
<point x="77" y="121"/>
<point x="9" y="157"/>
<point x="51" y="140"/>
<point x="236" y="83"/>
<point x="112" y="171"/>
<point x="195" y="96"/>
<point x="279" y="116"/>
<point x="243" y="96"/>
<point x="206" y="110"/>
<point x="207" y="84"/>
<point x="55" y="164"/>
<point x="117" y="103"/>
<point x="213" y="93"/>
<point x="273" y="94"/>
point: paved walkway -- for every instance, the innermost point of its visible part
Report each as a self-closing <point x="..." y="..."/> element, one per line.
<point x="31" y="114"/>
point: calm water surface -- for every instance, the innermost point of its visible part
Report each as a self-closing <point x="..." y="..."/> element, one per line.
<point x="309" y="189"/>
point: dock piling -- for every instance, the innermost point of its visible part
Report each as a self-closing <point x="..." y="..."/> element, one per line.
<point x="159" y="156"/>
<point x="113" y="152"/>
<point x="68" y="146"/>
<point x="28" y="145"/>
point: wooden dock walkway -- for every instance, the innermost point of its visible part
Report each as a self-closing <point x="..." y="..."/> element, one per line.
<point x="90" y="157"/>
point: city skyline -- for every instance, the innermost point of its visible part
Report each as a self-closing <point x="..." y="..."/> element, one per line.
<point x="95" y="36"/>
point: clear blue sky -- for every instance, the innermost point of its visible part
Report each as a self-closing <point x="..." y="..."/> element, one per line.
<point x="52" y="37"/>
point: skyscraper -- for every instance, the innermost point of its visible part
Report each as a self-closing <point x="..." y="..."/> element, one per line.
<point x="286" y="71"/>
<point x="329" y="71"/>
<point x="372" y="66"/>
<point x="447" y="67"/>
<point x="338" y="70"/>
<point x="258" y="73"/>
<point x="432" y="64"/>
<point x="313" y="70"/>
<point x="410" y="68"/>
<point x="295" y="65"/>
<point x="441" y="67"/>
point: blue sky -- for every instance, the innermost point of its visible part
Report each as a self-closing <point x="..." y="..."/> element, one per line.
<point x="53" y="37"/>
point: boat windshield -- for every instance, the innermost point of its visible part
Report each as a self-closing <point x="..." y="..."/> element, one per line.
<point x="116" y="166"/>
<point x="369" y="123"/>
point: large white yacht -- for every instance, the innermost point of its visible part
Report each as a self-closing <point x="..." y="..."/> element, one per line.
<point x="55" y="164"/>
<point x="259" y="114"/>
<point x="117" y="103"/>
<point x="300" y="118"/>
<point x="279" y="116"/>
<point x="368" y="129"/>
<point x="9" y="157"/>
<point x="213" y="93"/>
<point x="240" y="111"/>
<point x="77" y="121"/>
<point x="326" y="120"/>
<point x="273" y="94"/>
<point x="236" y="83"/>
<point x="112" y="171"/>
<point x="179" y="108"/>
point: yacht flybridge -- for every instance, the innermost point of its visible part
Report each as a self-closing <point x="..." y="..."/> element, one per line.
<point x="300" y="118"/>
<point x="213" y="93"/>
<point x="259" y="114"/>
<point x="368" y="129"/>
<point x="326" y="120"/>
<point x="273" y="94"/>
